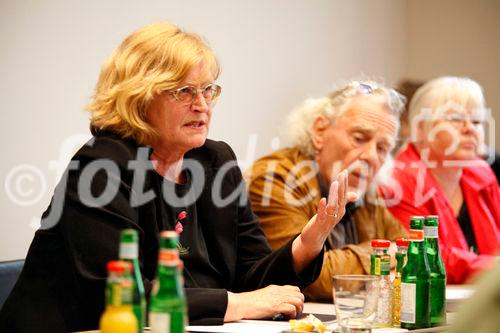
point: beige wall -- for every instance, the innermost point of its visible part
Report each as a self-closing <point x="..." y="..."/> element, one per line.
<point x="274" y="54"/>
<point x="457" y="37"/>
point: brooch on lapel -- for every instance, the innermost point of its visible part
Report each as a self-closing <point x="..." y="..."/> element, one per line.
<point x="179" y="228"/>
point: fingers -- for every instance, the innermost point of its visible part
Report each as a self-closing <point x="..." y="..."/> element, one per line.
<point x="352" y="196"/>
<point x="333" y="195"/>
<point x="287" y="309"/>
<point x="297" y="292"/>
<point x="342" y="189"/>
<point x="321" y="214"/>
<point x="291" y="302"/>
<point x="292" y="288"/>
<point x="339" y="196"/>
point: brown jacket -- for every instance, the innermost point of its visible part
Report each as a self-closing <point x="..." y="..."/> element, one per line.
<point x="284" y="192"/>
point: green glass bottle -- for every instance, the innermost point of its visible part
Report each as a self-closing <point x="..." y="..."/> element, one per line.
<point x="129" y="251"/>
<point x="438" y="272"/>
<point x="167" y="308"/>
<point x="415" y="280"/>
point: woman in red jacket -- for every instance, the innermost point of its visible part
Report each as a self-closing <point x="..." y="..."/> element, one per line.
<point x="439" y="172"/>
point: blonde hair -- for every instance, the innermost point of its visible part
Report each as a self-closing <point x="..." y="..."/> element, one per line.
<point x="437" y="95"/>
<point x="152" y="59"/>
<point x="300" y="121"/>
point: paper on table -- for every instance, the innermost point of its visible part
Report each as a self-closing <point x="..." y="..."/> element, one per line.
<point x="261" y="326"/>
<point x="456" y="293"/>
<point x="244" y="326"/>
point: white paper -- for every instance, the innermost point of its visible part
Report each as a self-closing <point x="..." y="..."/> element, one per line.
<point x="244" y="326"/>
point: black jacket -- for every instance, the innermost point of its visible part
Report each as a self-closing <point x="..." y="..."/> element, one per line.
<point x="61" y="287"/>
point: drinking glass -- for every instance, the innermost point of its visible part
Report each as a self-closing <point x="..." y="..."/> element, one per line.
<point x="355" y="299"/>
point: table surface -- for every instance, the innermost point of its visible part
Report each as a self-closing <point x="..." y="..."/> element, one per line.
<point x="455" y="295"/>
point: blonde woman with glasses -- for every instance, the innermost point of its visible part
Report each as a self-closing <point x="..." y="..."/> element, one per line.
<point x="440" y="173"/>
<point x="150" y="166"/>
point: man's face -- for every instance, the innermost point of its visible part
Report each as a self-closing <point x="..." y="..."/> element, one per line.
<point x="359" y="140"/>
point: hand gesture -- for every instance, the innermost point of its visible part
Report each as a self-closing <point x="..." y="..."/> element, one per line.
<point x="330" y="211"/>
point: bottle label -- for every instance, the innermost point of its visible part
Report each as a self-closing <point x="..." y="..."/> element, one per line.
<point x="129" y="251"/>
<point x="380" y="264"/>
<point x="408" y="302"/>
<point x="375" y="265"/>
<point x="119" y="292"/>
<point x="168" y="257"/>
<point x="116" y="294"/>
<point x="385" y="265"/>
<point x="416" y="235"/>
<point x="127" y="291"/>
<point x="159" y="322"/>
<point x="431" y="232"/>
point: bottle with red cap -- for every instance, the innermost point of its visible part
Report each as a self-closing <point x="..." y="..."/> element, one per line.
<point x="167" y="308"/>
<point x="415" y="280"/>
<point x="438" y="272"/>
<point x="118" y="316"/>
<point x="381" y="267"/>
<point x="402" y="248"/>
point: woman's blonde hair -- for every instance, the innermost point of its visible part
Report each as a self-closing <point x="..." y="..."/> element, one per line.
<point x="300" y="121"/>
<point x="151" y="60"/>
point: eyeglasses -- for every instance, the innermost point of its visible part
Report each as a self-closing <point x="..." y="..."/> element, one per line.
<point x="188" y="94"/>
<point x="394" y="99"/>
<point x="460" y="121"/>
<point x="356" y="87"/>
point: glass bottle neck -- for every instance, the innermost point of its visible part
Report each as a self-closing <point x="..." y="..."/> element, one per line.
<point x="400" y="261"/>
<point x="431" y="239"/>
<point x="169" y="280"/>
<point x="119" y="291"/>
<point x="128" y="251"/>
<point x="416" y="250"/>
<point x="380" y="250"/>
<point x="417" y="261"/>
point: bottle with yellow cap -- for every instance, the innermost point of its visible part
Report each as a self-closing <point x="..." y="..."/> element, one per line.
<point x="118" y="316"/>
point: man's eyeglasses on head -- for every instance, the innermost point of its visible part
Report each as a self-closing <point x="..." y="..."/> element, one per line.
<point x="357" y="87"/>
<point x="188" y="94"/>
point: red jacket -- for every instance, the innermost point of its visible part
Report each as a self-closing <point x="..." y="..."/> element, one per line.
<point x="422" y="196"/>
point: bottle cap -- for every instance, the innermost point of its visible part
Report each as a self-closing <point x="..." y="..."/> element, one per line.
<point x="381" y="243"/>
<point x="417" y="222"/>
<point x="402" y="242"/>
<point x="431" y="220"/>
<point x="129" y="235"/>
